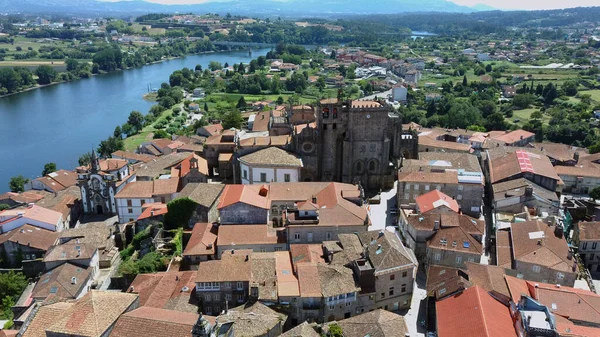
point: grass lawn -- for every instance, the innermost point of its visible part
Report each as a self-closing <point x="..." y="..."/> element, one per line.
<point x="132" y="143"/>
<point x="151" y="31"/>
<point x="524" y="115"/>
<point x="594" y="93"/>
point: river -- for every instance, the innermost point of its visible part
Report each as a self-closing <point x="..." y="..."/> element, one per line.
<point x="58" y="123"/>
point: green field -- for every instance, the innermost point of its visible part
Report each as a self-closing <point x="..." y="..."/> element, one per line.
<point x="594" y="93"/>
<point x="151" y="31"/>
<point x="133" y="142"/>
<point x="524" y="115"/>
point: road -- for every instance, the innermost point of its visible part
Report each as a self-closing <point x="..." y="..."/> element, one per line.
<point x="380" y="220"/>
<point x="379" y="213"/>
<point x="383" y="94"/>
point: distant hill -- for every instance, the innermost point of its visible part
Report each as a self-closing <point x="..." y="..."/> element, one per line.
<point x="244" y="7"/>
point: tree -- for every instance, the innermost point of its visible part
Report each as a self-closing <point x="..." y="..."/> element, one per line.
<point x="12" y="285"/>
<point x="49" y="168"/>
<point x="127" y="129"/>
<point x="522" y="101"/>
<point x="85" y="159"/>
<point x="536" y="115"/>
<point x="214" y="66"/>
<point x="241" y="104"/>
<point x="72" y="64"/>
<point x="570" y="88"/>
<point x="181" y="211"/>
<point x="136" y="120"/>
<point x="335" y="330"/>
<point x="488" y="68"/>
<point x="232" y="119"/>
<point x="279" y="100"/>
<point x="46" y="74"/>
<point x="17" y="184"/>
<point x="118" y="132"/>
<point x="464" y="82"/>
<point x="110" y="145"/>
<point x="205" y="107"/>
<point x="595" y="193"/>
<point x="321" y="83"/>
<point x="4" y="207"/>
<point x="496" y="121"/>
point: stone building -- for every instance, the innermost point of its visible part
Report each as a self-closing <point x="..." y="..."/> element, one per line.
<point x="354" y="141"/>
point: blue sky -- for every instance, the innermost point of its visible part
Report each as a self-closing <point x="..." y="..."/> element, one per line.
<point x="530" y="4"/>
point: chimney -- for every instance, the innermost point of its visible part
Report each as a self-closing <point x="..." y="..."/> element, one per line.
<point x="314" y="199"/>
<point x="436" y="225"/>
<point x="246" y="259"/>
<point x="152" y="213"/>
<point x="232" y="251"/>
<point x="529" y="191"/>
<point x="73" y="280"/>
<point x="576" y="157"/>
<point x="131" y="289"/>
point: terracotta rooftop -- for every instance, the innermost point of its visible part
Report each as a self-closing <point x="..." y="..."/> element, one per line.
<point x="386" y="251"/>
<point x="252" y="319"/>
<point x="70" y="251"/>
<point x="456" y="239"/>
<point x="489" y="277"/>
<point x="161" y="165"/>
<point x="213" y="129"/>
<point x="248" y="194"/>
<point x="23" y="197"/>
<point x="31" y="236"/>
<point x="514" y="136"/>
<point x="519" y="162"/>
<point x="65" y="281"/>
<point x="365" y="104"/>
<point x="152" y="210"/>
<point x="261" y="122"/>
<point x="144" y="158"/>
<point x="272" y="156"/>
<point x="560" y="152"/>
<point x="378" y="323"/>
<point x="110" y="164"/>
<point x="203" y="240"/>
<point x="302" y="330"/>
<point x="35" y="213"/>
<point x="503" y="249"/>
<point x="232" y="267"/>
<point x="445" y="281"/>
<point x="147" y="321"/>
<point x="93" y="314"/>
<point x="46" y="316"/>
<point x="185" y="166"/>
<point x="143" y="189"/>
<point x="435" y="199"/>
<point x="59" y="180"/>
<point x="535" y="242"/>
<point x="306" y="254"/>
<point x="231" y="235"/>
<point x="473" y="313"/>
<point x="167" y="290"/>
<point x="448" y="177"/>
<point x="577" y="305"/>
<point x="426" y="141"/>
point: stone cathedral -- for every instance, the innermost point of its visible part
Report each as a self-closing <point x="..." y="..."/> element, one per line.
<point x="355" y="142"/>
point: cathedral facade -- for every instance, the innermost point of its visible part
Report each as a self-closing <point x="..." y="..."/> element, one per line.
<point x="354" y="142"/>
<point x="100" y="182"/>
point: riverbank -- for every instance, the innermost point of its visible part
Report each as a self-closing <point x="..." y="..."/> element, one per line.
<point x="38" y="86"/>
<point x="72" y="118"/>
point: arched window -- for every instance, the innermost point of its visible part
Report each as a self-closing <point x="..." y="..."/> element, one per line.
<point x="334" y="112"/>
<point x="358" y="167"/>
<point x="96" y="184"/>
<point x="373" y="165"/>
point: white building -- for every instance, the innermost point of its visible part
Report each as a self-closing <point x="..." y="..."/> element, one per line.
<point x="130" y="200"/>
<point x="399" y="94"/>
<point x="33" y="215"/>
<point x="270" y="165"/>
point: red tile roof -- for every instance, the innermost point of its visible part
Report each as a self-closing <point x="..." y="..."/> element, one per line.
<point x="473" y="313"/>
<point x="435" y="199"/>
<point x="248" y="194"/>
<point x="31" y="236"/>
<point x="167" y="290"/>
<point x="230" y="235"/>
<point x="202" y="241"/>
<point x="152" y="210"/>
<point x="146" y="321"/>
<point x="514" y="136"/>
